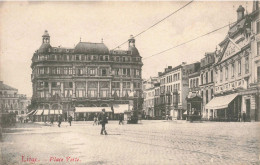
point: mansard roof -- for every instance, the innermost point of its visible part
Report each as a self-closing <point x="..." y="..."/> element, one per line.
<point x="91" y="48"/>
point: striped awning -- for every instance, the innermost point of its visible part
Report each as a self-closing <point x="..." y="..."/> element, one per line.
<point x="30" y="113"/>
<point x="39" y="112"/>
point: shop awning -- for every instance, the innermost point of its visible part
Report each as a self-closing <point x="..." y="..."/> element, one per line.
<point x="58" y="112"/>
<point x="39" y="112"/>
<point x="91" y="109"/>
<point x="30" y="113"/>
<point x="220" y="102"/>
<point x="35" y="112"/>
<point x="120" y="108"/>
<point x="45" y="112"/>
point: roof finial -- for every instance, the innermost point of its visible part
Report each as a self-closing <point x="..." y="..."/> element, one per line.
<point x="101" y="40"/>
<point x="80" y="39"/>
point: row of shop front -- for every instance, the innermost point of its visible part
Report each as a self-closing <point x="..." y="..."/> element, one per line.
<point x="241" y="105"/>
<point x="82" y="113"/>
<point x="237" y="106"/>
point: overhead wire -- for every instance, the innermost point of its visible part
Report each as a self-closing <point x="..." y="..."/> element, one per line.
<point x="187" y="41"/>
<point x="156" y="23"/>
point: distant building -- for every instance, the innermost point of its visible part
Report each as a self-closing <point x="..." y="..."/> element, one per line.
<point x="85" y="79"/>
<point x="174" y="89"/>
<point x="254" y="86"/>
<point x="157" y="101"/>
<point x="11" y="101"/>
<point x="207" y="81"/>
<point x="194" y="99"/>
<point x="149" y="97"/>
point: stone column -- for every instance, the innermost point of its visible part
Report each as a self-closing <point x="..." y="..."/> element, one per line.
<point x="121" y="88"/>
<point x="62" y="89"/>
<point x="252" y="108"/>
<point x="132" y="85"/>
<point x="74" y="89"/>
<point x="86" y="89"/>
<point x="98" y="90"/>
<point x="110" y="89"/>
<point x="49" y="88"/>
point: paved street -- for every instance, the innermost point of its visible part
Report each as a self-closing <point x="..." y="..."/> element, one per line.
<point x="151" y="142"/>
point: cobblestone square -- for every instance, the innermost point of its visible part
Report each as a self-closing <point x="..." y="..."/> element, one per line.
<point x="150" y="142"/>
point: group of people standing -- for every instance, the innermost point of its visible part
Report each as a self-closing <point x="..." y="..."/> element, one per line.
<point x="60" y="120"/>
<point x="100" y="119"/>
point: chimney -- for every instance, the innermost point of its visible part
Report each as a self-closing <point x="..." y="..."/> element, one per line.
<point x="240" y="12"/>
<point x="166" y="69"/>
<point x="159" y="73"/>
<point x="169" y="67"/>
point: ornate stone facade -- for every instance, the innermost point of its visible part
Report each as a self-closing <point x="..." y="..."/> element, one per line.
<point x="88" y="75"/>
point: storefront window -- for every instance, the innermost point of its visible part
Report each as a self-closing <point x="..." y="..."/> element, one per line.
<point x="239" y="67"/>
<point x="232" y="69"/>
<point x="226" y="73"/>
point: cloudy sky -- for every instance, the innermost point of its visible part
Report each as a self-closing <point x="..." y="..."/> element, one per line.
<point x="23" y="23"/>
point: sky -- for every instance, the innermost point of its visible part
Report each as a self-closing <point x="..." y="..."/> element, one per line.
<point x="23" y="23"/>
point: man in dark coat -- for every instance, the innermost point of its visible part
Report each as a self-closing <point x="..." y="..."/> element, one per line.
<point x="121" y="118"/>
<point x="70" y="119"/>
<point x="52" y="119"/>
<point x="103" y="122"/>
<point x="59" y="120"/>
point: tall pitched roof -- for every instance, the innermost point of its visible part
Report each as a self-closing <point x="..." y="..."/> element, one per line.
<point x="6" y="87"/>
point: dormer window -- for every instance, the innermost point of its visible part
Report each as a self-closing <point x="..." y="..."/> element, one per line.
<point x="55" y="50"/>
<point x="67" y="50"/>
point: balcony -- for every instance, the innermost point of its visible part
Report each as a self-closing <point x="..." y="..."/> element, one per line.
<point x="9" y="96"/>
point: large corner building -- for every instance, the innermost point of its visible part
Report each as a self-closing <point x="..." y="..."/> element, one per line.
<point x="85" y="79"/>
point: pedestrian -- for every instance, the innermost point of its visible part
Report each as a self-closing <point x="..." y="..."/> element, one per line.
<point x="239" y="116"/>
<point x="121" y="119"/>
<point x="103" y="122"/>
<point x="98" y="118"/>
<point x="70" y="119"/>
<point x="52" y="119"/>
<point x="59" y="120"/>
<point x="95" y="120"/>
<point x="244" y="116"/>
